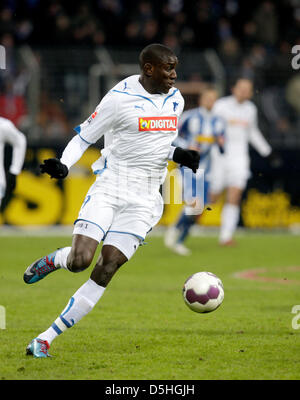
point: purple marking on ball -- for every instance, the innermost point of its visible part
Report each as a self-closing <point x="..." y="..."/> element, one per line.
<point x="213" y="292"/>
<point x="193" y="297"/>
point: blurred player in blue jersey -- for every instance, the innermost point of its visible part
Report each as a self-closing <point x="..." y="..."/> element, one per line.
<point x="201" y="130"/>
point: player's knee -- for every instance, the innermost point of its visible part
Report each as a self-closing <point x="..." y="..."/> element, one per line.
<point x="106" y="268"/>
<point x="79" y="260"/>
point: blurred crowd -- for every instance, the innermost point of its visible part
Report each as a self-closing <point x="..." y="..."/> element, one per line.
<point x="198" y="24"/>
<point x="253" y="39"/>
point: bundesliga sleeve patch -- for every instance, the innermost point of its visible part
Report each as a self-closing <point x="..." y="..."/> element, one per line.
<point x="155" y="124"/>
<point x="92" y="117"/>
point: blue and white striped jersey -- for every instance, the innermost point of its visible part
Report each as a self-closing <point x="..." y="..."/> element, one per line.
<point x="199" y="129"/>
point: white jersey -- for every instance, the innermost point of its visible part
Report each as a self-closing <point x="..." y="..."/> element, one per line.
<point x="138" y="129"/>
<point x="11" y="135"/>
<point x="241" y="130"/>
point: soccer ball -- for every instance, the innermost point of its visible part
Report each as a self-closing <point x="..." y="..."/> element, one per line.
<point x="203" y="292"/>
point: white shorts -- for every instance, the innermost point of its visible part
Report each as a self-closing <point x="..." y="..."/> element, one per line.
<point x="118" y="213"/>
<point x="225" y="174"/>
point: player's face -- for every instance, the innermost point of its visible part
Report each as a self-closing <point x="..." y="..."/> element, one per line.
<point x="164" y="74"/>
<point x="208" y="99"/>
<point x="243" y="90"/>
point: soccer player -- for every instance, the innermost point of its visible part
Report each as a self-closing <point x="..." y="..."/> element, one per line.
<point x="11" y="135"/>
<point x="138" y="119"/>
<point x="231" y="170"/>
<point x="202" y="131"/>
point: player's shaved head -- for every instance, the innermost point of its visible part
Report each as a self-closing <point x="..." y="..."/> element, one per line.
<point x="154" y="54"/>
<point x="158" y="64"/>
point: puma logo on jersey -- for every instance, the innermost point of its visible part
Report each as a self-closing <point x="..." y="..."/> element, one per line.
<point x="158" y="124"/>
<point x="140" y="107"/>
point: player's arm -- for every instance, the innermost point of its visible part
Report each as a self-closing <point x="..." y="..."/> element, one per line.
<point x="186" y="158"/>
<point x="219" y="133"/>
<point x="91" y="130"/>
<point x="257" y="140"/>
<point x="59" y="169"/>
<point x="18" y="142"/>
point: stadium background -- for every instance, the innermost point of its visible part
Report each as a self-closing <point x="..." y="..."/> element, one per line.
<point x="62" y="57"/>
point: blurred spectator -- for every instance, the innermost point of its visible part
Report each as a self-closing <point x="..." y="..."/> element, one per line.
<point x="52" y="120"/>
<point x="62" y="30"/>
<point x="266" y="20"/>
<point x="6" y="21"/>
<point x="149" y="32"/>
<point x="252" y="39"/>
<point x="293" y="32"/>
<point x="12" y="106"/>
<point x="249" y="34"/>
<point x="231" y="57"/>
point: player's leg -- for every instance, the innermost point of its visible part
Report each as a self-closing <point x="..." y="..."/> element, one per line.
<point x="2" y="176"/>
<point x="87" y="236"/>
<point x="108" y="263"/>
<point x="186" y="220"/>
<point x="197" y="187"/>
<point x="94" y="218"/>
<point x="75" y="259"/>
<point x="177" y="233"/>
<point x="87" y="296"/>
<point x="230" y="215"/>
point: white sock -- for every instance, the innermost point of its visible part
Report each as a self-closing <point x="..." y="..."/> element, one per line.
<point x="229" y="221"/>
<point x="80" y="304"/>
<point x="61" y="257"/>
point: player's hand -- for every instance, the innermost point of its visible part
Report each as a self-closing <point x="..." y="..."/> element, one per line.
<point x="11" y="183"/>
<point x="54" y="168"/>
<point x="187" y="158"/>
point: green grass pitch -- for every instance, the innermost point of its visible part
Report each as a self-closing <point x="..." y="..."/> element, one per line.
<point x="141" y="328"/>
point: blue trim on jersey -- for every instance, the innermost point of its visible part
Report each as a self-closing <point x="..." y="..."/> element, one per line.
<point x="91" y="222"/>
<point x="100" y="171"/>
<point x="170" y="95"/>
<point x="84" y="139"/>
<point x="77" y="129"/>
<point x="135" y="95"/>
<point x="129" y="233"/>
<point x="86" y="200"/>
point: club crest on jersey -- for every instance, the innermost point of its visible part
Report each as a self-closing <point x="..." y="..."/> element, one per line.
<point x="155" y="124"/>
<point x="90" y="119"/>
